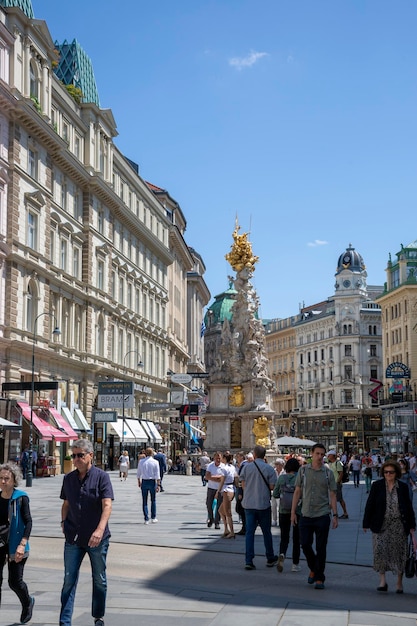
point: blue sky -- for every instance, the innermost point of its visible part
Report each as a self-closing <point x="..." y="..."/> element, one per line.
<point x="297" y="116"/>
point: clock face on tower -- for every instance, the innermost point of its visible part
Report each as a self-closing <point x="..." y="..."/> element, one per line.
<point x="346" y="283"/>
<point x="346" y="258"/>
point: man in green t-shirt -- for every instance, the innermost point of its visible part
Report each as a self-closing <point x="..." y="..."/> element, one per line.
<point x="316" y="485"/>
<point x="337" y="468"/>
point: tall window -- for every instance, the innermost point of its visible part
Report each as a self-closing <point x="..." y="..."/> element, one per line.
<point x="77" y="147"/>
<point x="100" y="221"/>
<point x="34" y="83"/>
<point x="348" y="350"/>
<point x="76" y="263"/>
<point x="121" y="290"/>
<point x="32" y="163"/>
<point x="348" y="372"/>
<point x="32" y="232"/>
<point x="64" y="255"/>
<point x="100" y="275"/>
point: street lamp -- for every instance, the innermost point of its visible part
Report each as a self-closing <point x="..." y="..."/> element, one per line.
<point x="56" y="331"/>
<point x="140" y="365"/>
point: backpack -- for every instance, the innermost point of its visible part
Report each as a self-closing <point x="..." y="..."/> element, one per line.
<point x="285" y="496"/>
<point x="345" y="476"/>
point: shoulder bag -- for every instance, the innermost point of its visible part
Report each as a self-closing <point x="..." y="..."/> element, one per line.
<point x="264" y="479"/>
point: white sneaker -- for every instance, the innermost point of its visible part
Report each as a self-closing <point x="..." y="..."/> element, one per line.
<point x="154" y="520"/>
<point x="146" y="521"/>
<point x="296" y="568"/>
<point x="273" y="523"/>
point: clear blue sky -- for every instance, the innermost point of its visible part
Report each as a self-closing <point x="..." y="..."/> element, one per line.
<point x="299" y="116"/>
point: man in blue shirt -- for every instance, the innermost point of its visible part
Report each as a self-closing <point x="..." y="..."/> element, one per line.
<point x="87" y="496"/>
<point x="258" y="480"/>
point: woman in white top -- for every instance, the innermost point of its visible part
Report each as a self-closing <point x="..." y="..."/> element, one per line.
<point x="227" y="485"/>
<point x="124" y="464"/>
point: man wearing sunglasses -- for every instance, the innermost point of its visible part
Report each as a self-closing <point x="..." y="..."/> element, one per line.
<point x="87" y="496"/>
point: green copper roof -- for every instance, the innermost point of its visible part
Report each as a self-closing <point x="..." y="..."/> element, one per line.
<point x="221" y="308"/>
<point x="24" y="5"/>
<point x="75" y="68"/>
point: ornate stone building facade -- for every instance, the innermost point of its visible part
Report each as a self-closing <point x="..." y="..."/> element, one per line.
<point x="399" y="314"/>
<point x="86" y="244"/>
<point x="335" y="363"/>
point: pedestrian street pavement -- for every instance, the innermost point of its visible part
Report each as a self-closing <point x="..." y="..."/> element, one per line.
<point x="178" y="571"/>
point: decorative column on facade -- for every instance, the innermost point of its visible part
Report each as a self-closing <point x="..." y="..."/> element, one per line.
<point x="45" y="90"/>
<point x="26" y="67"/>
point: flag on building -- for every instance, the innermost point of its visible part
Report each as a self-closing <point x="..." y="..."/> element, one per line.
<point x="203" y="329"/>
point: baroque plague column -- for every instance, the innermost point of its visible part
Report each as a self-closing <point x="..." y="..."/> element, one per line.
<point x="239" y="384"/>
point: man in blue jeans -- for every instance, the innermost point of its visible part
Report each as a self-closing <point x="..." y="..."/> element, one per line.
<point x="87" y="496"/>
<point x="315" y="485"/>
<point x="258" y="480"/>
<point x="149" y="481"/>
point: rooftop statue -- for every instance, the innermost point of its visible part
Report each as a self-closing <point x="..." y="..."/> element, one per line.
<point x="241" y="255"/>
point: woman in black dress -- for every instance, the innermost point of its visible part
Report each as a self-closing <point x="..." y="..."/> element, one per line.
<point x="390" y="516"/>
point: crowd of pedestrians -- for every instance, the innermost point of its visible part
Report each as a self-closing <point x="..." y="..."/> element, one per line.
<point x="299" y="495"/>
<point x="302" y="497"/>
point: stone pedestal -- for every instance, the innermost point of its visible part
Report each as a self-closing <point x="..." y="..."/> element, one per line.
<point x="231" y="413"/>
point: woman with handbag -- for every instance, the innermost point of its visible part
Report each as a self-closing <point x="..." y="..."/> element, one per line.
<point x="390" y="516"/>
<point x="15" y="528"/>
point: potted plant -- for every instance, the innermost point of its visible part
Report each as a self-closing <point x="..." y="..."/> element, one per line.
<point x="68" y="466"/>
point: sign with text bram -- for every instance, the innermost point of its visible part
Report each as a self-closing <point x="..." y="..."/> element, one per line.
<point x="397" y="370"/>
<point x="104" y="416"/>
<point x="115" y="394"/>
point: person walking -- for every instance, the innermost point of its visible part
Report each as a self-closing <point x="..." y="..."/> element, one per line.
<point x="355" y="465"/>
<point x="87" y="496"/>
<point x="367" y="472"/>
<point x="258" y="480"/>
<point x="279" y="469"/>
<point x="162" y="460"/>
<point x="337" y="468"/>
<point x="284" y="490"/>
<point x="407" y="477"/>
<point x="149" y="480"/>
<point x="204" y="463"/>
<point x="390" y="516"/>
<point x="227" y="488"/>
<point x="213" y="476"/>
<point x="240" y="462"/>
<point x="315" y="486"/>
<point x="15" y="529"/>
<point x="124" y="464"/>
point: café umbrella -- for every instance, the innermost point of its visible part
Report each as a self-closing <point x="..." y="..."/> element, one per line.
<point x="293" y="442"/>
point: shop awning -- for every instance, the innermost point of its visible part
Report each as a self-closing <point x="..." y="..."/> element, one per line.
<point x="137" y="430"/>
<point x="7" y="425"/>
<point x="71" y="421"/>
<point x="81" y="421"/>
<point x="154" y="432"/>
<point x="151" y="430"/>
<point x="45" y="429"/>
<point x="62" y="423"/>
<point x="146" y="428"/>
<point x="127" y="435"/>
